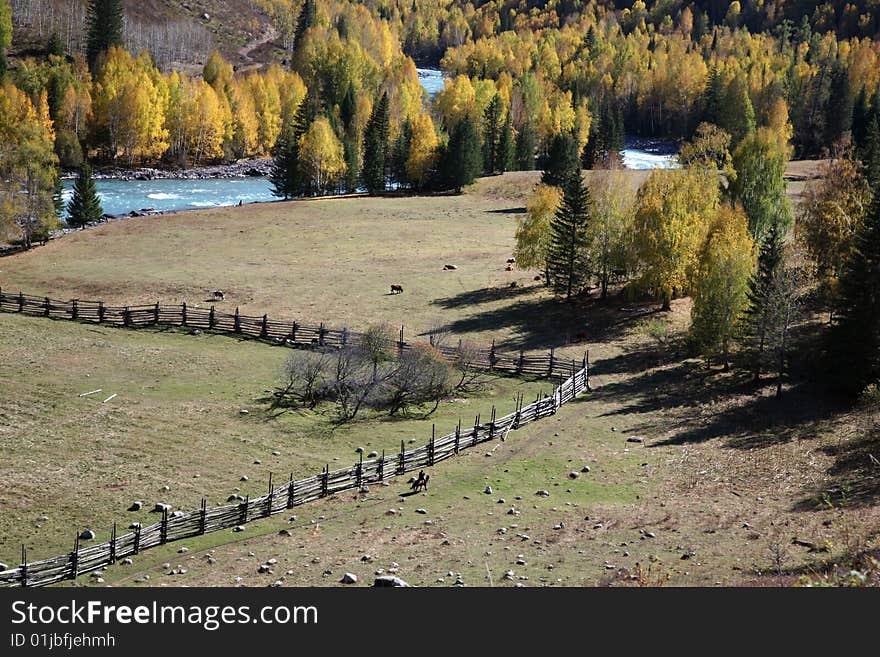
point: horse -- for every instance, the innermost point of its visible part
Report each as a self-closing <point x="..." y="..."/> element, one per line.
<point x="421" y="482"/>
<point x="396" y="289"/>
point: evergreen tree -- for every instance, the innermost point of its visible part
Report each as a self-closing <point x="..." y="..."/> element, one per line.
<point x="504" y="158"/>
<point x="759" y="315"/>
<point x="855" y="336"/>
<point x="491" y="134"/>
<point x="400" y="154"/>
<point x="861" y="117"/>
<point x="713" y="98"/>
<point x="306" y="19"/>
<point x="461" y="160"/>
<point x="871" y="154"/>
<point x="284" y="174"/>
<point x="569" y="239"/>
<point x="105" y="27"/>
<point x="347" y="107"/>
<point x="352" y="170"/>
<point x="526" y="140"/>
<point x="839" y="110"/>
<point x="376" y="147"/>
<point x="85" y="206"/>
<point x="562" y="160"/>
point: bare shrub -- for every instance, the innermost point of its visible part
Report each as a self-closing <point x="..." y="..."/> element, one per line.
<point x="422" y="376"/>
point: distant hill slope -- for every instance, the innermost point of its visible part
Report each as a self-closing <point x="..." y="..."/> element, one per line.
<point x="182" y="32"/>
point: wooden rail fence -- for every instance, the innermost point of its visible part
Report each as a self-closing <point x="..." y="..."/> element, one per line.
<point x="290" y="332"/>
<point x="293" y="492"/>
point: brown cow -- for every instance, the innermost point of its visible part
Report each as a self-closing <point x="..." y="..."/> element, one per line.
<point x="396" y="289"/>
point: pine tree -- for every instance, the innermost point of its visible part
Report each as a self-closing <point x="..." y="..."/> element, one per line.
<point x="284" y="174"/>
<point x="306" y="19"/>
<point x="526" y="140"/>
<point x="461" y="160"/>
<point x="105" y="27"/>
<point x="855" y="336"/>
<point x="713" y="98"/>
<point x="504" y="157"/>
<point x="376" y="147"/>
<point x="871" y="154"/>
<point x="861" y="117"/>
<point x="352" y="170"/>
<point x="85" y="206"/>
<point x="839" y="110"/>
<point x="759" y="312"/>
<point x="491" y="134"/>
<point x="562" y="160"/>
<point x="567" y="253"/>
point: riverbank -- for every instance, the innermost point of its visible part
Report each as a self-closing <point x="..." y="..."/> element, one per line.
<point x="246" y="168"/>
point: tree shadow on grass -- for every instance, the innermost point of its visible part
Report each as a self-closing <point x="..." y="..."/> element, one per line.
<point x="519" y="210"/>
<point x="853" y="480"/>
<point x="542" y="322"/>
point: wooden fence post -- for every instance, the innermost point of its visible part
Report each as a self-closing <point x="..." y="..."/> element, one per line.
<point x="236" y="325"/>
<point x="183" y="314"/>
<point x="359" y="470"/>
<point x="550" y="373"/>
<point x="126" y="316"/>
<point x="401" y="459"/>
<point x="100" y="312"/>
<point x="269" y="497"/>
<point x="380" y="470"/>
<point x="243" y="509"/>
<point x="74" y="309"/>
<point x="492" y="424"/>
<point x="518" y="411"/>
<point x="344" y="335"/>
<point x="457" y="435"/>
<point x="492" y="355"/>
<point x="211" y="318"/>
<point x="431" y="445"/>
<point x="203" y="516"/>
<point x="400" y="342"/>
<point x="264" y="329"/>
<point x="156" y="313"/>
<point x="325" y="480"/>
<point x="20" y="302"/>
<point x="587" y="370"/>
<point x="163" y="530"/>
<point x="321" y="335"/>
<point x="137" y="539"/>
<point x="290" y="492"/>
<point x="476" y="429"/>
<point x="46" y="305"/>
<point x="74" y="558"/>
<point x="113" y="544"/>
<point x="293" y="333"/>
<point x="23" y="565"/>
<point x="522" y="357"/>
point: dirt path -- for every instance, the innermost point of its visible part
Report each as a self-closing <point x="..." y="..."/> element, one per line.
<point x="245" y="51"/>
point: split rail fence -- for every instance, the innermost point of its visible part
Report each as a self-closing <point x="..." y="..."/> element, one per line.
<point x="291" y="493"/>
<point x="290" y="333"/>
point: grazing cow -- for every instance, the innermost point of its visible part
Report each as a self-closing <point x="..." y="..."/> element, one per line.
<point x="396" y="289"/>
<point x="509" y="267"/>
<point x="449" y="267"/>
<point x="218" y="295"/>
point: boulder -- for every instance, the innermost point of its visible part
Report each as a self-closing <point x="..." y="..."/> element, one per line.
<point x="389" y="580"/>
<point x="86" y="535"/>
<point x="136" y="506"/>
<point x="349" y="578"/>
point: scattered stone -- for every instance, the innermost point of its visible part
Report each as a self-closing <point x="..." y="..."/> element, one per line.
<point x="488" y="490"/>
<point x="264" y="568"/>
<point x="359" y="450"/>
<point x="512" y="511"/>
<point x="367" y="558"/>
<point x="86" y="535"/>
<point x="135" y="525"/>
<point x="285" y="532"/>
<point x="574" y="475"/>
<point x="136" y="506"/>
<point x="422" y="511"/>
<point x="127" y="562"/>
<point x="183" y="550"/>
<point x="178" y="514"/>
<point x="389" y="580"/>
<point x="543" y="493"/>
<point x="391" y="512"/>
<point x="161" y="507"/>
<point x="238" y="528"/>
<point x="450" y="267"/>
<point x="257" y="462"/>
<point x="276" y="453"/>
<point x="166" y="488"/>
<point x="243" y="411"/>
<point x="509" y="575"/>
<point x="243" y="478"/>
<point x="635" y="439"/>
<point x="349" y="578"/>
<point x="586" y="468"/>
<point x="233" y="498"/>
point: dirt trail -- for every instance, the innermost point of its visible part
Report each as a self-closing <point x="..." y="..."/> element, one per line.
<point x="245" y="51"/>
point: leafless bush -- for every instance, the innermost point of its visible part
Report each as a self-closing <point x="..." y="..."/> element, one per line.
<point x="305" y="378"/>
<point x="421" y="376"/>
<point x="470" y="376"/>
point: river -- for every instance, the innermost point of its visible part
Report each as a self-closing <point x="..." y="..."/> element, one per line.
<point x="120" y="197"/>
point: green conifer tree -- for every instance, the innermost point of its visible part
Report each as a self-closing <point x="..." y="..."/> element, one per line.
<point x="85" y="206"/>
<point x="569" y="240"/>
<point x="105" y="27"/>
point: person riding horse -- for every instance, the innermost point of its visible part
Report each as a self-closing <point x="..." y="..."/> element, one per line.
<point x="421" y="481"/>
